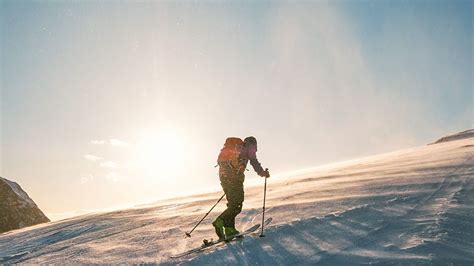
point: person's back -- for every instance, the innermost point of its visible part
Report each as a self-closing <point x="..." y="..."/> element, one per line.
<point x="232" y="161"/>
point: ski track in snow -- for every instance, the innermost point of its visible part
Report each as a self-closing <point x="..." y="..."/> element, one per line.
<point x="407" y="207"/>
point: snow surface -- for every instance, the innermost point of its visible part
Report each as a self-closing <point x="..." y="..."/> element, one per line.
<point x="414" y="206"/>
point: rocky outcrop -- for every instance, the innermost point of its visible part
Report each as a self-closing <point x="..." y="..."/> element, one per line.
<point x="461" y="135"/>
<point x="17" y="209"/>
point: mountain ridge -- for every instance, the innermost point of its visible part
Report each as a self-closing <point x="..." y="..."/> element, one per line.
<point x="456" y="136"/>
<point x="17" y="209"/>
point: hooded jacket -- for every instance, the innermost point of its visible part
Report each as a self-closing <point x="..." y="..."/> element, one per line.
<point x="249" y="153"/>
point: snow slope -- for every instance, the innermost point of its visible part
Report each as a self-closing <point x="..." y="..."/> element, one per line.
<point x="406" y="207"/>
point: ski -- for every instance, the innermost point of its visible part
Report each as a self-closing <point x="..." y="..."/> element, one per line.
<point x="248" y="231"/>
<point x="209" y="243"/>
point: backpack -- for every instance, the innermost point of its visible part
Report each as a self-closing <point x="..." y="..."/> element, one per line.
<point x="229" y="159"/>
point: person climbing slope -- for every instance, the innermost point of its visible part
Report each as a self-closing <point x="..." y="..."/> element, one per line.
<point x="232" y="161"/>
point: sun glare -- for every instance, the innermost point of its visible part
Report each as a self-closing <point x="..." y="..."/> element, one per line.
<point x="160" y="156"/>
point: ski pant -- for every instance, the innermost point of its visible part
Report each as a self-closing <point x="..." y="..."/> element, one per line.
<point x="233" y="187"/>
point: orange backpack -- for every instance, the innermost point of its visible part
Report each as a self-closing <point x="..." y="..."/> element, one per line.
<point x="229" y="159"/>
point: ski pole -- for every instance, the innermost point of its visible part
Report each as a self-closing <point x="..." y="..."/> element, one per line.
<point x="264" y="197"/>
<point x="188" y="234"/>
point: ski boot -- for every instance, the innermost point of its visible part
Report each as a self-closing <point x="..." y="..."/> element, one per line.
<point x="207" y="242"/>
<point x="219" y="227"/>
<point x="231" y="231"/>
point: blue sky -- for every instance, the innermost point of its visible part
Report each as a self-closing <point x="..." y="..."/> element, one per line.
<point x="425" y="39"/>
<point x="95" y="93"/>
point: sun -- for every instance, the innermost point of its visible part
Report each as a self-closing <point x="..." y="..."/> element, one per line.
<point x="160" y="156"/>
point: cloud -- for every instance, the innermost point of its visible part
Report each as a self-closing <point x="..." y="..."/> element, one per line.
<point x="87" y="179"/>
<point x="117" y="142"/>
<point x="109" y="164"/>
<point x="113" y="142"/>
<point x="93" y="158"/>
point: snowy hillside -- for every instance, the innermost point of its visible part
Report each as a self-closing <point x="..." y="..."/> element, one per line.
<point x="410" y="206"/>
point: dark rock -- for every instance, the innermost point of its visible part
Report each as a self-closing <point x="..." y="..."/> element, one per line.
<point x="17" y="209"/>
<point x="461" y="135"/>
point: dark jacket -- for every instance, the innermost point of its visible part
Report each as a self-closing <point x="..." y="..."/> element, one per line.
<point x="249" y="153"/>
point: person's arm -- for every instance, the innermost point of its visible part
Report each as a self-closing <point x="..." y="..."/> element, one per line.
<point x="252" y="156"/>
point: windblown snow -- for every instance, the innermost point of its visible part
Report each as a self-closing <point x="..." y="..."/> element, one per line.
<point x="406" y="207"/>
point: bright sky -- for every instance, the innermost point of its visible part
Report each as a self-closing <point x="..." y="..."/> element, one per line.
<point x="109" y="103"/>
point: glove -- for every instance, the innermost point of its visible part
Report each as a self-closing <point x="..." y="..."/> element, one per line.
<point x="265" y="174"/>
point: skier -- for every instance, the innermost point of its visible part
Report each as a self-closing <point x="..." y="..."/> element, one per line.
<point x="232" y="162"/>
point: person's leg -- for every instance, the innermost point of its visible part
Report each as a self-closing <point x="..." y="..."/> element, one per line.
<point x="234" y="191"/>
<point x="219" y="223"/>
<point x="235" y="197"/>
